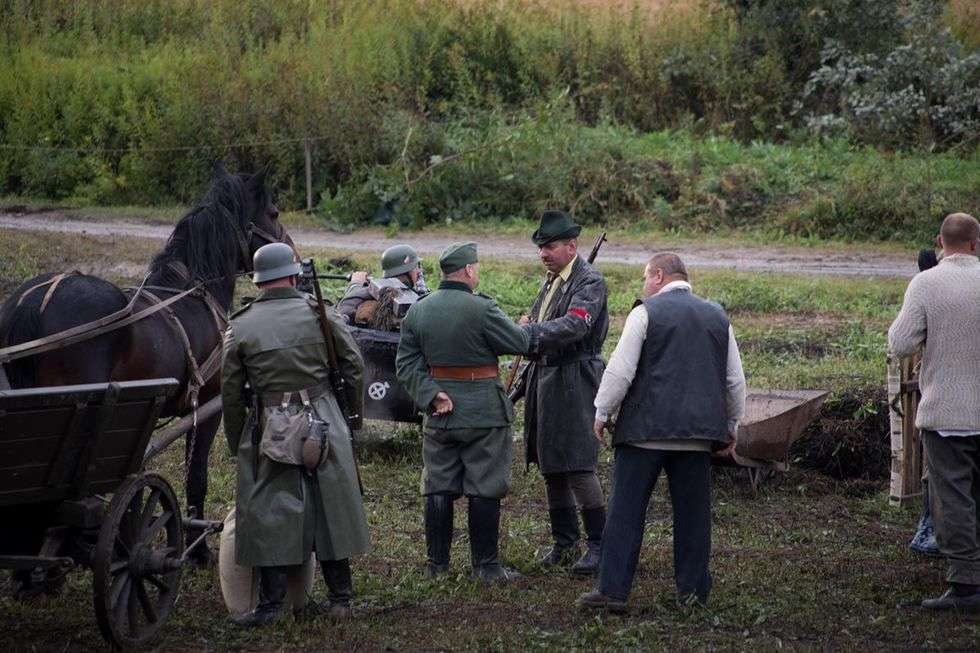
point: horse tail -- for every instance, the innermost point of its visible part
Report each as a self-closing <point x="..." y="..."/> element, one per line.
<point x="20" y="321"/>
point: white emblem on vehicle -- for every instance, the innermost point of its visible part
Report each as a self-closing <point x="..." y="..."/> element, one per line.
<point x="378" y="390"/>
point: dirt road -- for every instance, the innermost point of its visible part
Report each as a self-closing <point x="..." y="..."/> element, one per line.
<point x="799" y="260"/>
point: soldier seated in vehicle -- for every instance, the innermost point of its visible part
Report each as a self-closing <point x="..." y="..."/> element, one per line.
<point x="380" y="304"/>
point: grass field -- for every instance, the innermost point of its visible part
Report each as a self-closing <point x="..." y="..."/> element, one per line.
<point x="810" y="563"/>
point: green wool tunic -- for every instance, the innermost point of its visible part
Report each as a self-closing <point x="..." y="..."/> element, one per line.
<point x="455" y="327"/>
<point x="283" y="513"/>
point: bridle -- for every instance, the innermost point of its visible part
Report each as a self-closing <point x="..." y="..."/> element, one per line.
<point x="245" y="237"/>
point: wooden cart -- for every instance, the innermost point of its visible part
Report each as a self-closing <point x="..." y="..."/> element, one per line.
<point x="63" y="452"/>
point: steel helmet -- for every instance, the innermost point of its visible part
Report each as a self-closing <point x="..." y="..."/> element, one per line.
<point x="399" y="259"/>
<point x="274" y="261"/>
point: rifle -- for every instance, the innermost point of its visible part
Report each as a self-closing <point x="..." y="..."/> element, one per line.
<point x="342" y="390"/>
<point x="514" y="392"/>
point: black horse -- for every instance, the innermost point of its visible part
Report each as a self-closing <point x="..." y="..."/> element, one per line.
<point x="212" y="244"/>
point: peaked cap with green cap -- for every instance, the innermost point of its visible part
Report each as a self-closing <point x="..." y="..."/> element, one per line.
<point x="555" y="225"/>
<point x="456" y="256"/>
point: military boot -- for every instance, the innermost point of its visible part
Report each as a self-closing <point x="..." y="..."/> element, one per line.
<point x="272" y="594"/>
<point x="337" y="575"/>
<point x="484" y="526"/>
<point x="564" y="530"/>
<point x="438" y="532"/>
<point x="594" y="520"/>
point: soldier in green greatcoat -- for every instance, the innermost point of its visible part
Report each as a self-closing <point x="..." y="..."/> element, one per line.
<point x="284" y="511"/>
<point x="447" y="360"/>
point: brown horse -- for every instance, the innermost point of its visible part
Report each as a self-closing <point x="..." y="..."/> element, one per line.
<point x="209" y="247"/>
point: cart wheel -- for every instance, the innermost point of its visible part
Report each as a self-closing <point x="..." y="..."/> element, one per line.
<point x="137" y="561"/>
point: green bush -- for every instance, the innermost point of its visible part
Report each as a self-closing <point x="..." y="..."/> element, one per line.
<point x="501" y="167"/>
<point x="926" y="90"/>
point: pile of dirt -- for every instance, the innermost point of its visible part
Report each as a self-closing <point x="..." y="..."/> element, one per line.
<point x="850" y="439"/>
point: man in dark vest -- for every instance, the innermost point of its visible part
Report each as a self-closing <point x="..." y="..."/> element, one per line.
<point x="570" y="318"/>
<point x="676" y="378"/>
<point x="447" y="361"/>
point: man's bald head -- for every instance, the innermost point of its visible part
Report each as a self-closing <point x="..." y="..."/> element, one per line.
<point x="660" y="270"/>
<point x="960" y="233"/>
<point x="670" y="263"/>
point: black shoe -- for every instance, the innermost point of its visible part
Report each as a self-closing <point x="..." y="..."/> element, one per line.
<point x="484" y="525"/>
<point x="564" y="530"/>
<point x="596" y="600"/>
<point x="951" y="600"/>
<point x="340" y="588"/>
<point x="594" y="520"/>
<point x="438" y="533"/>
<point x="272" y="594"/>
<point x="495" y="573"/>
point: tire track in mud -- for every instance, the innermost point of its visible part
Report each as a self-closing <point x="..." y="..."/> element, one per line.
<point x="823" y="261"/>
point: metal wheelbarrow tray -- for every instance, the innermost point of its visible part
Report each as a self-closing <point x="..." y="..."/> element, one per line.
<point x="774" y="420"/>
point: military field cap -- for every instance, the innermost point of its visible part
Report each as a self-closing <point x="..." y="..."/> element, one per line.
<point x="456" y="256"/>
<point x="555" y="225"/>
<point x="274" y="261"/>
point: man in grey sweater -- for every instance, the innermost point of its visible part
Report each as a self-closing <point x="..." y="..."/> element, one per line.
<point x="942" y="310"/>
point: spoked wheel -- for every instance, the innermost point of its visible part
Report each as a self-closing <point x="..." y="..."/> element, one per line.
<point x="137" y="561"/>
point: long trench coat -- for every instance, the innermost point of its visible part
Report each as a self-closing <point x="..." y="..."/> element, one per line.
<point x="561" y="389"/>
<point x="283" y="513"/>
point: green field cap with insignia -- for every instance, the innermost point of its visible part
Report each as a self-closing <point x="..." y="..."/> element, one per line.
<point x="456" y="256"/>
<point x="555" y="225"/>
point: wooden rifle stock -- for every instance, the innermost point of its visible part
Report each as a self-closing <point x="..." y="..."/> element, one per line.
<point x="512" y="376"/>
<point x="341" y="388"/>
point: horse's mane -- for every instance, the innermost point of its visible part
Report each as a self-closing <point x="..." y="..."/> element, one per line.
<point x="206" y="241"/>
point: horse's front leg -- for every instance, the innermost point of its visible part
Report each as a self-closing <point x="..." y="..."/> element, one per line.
<point x="197" y="450"/>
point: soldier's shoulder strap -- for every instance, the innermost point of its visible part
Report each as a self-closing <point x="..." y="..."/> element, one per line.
<point x="480" y="294"/>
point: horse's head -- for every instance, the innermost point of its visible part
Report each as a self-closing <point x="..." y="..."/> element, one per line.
<point x="259" y="215"/>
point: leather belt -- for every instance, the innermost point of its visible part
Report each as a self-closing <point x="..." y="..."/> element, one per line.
<point x="465" y="373"/>
<point x="313" y="392"/>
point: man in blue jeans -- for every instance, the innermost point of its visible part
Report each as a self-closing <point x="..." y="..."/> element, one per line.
<point x="676" y="378"/>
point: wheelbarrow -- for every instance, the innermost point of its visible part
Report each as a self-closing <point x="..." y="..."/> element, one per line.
<point x="774" y="420"/>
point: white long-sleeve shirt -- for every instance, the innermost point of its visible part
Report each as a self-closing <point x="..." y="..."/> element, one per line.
<point x="621" y="370"/>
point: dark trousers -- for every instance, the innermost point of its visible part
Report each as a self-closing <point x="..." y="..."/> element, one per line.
<point x="954" y="491"/>
<point x="574" y="489"/>
<point x="634" y="477"/>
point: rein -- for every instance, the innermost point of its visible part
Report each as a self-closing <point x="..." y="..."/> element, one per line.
<point x="106" y="324"/>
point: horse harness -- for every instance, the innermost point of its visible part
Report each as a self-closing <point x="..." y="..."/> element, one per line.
<point x="199" y="375"/>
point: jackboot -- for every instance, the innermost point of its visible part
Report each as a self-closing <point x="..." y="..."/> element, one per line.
<point x="484" y="526"/>
<point x="272" y="594"/>
<point x="438" y="533"/>
<point x="564" y="530"/>
<point x="340" y="589"/>
<point x="594" y="520"/>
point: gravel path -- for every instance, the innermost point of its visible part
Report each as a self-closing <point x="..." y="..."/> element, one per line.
<point x="800" y="260"/>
